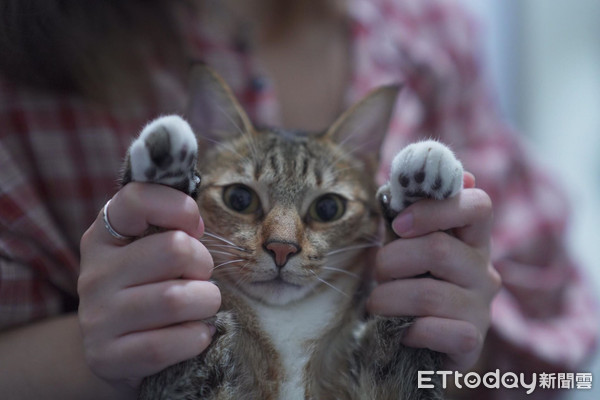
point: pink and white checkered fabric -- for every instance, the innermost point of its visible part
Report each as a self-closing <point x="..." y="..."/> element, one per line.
<point x="60" y="155"/>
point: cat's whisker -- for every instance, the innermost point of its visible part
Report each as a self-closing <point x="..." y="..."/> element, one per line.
<point x="374" y="238"/>
<point x="243" y="133"/>
<point x="224" y="246"/>
<point x="252" y="145"/>
<point x="242" y="280"/>
<point x="229" y="118"/>
<point x="343" y="271"/>
<point x="224" y="253"/>
<point x="224" y="145"/>
<point x="356" y="130"/>
<point x="347" y="153"/>
<point x="227" y="263"/>
<point x="354" y="247"/>
<point x="215" y="236"/>
<point x="338" y="172"/>
<point x="243" y="267"/>
<point x="222" y="239"/>
<point x="341" y="263"/>
<point x="227" y="270"/>
<point x="329" y="284"/>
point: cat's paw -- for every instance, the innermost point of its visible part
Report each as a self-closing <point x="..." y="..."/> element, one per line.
<point x="423" y="170"/>
<point x="166" y="152"/>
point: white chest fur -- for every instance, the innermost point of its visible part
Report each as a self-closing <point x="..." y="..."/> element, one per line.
<point x="293" y="327"/>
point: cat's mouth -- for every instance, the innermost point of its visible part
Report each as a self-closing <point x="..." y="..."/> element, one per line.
<point x="275" y="291"/>
<point x="277" y="282"/>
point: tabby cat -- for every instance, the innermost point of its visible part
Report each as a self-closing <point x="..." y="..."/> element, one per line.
<point x="290" y="217"/>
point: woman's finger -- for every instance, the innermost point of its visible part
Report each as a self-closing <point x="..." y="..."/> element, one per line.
<point x="154" y="258"/>
<point x="163" y="304"/>
<point x="438" y="253"/>
<point x="461" y="341"/>
<point x="145" y="353"/>
<point x="423" y="297"/>
<point x="163" y="256"/>
<point x="468" y="215"/>
<point x="140" y="205"/>
<point x="468" y="180"/>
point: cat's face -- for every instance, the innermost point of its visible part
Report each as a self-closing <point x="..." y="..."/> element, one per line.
<point x="286" y="213"/>
<point x="296" y="208"/>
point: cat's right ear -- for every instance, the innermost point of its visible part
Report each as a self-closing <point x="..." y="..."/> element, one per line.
<point x="364" y="126"/>
<point x="212" y="111"/>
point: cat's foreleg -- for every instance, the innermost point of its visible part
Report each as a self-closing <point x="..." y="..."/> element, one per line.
<point x="203" y="376"/>
<point x="423" y="170"/>
<point x="385" y="369"/>
<point x="166" y="153"/>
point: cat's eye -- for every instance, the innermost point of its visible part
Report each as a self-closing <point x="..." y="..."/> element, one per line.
<point x="241" y="198"/>
<point x="327" y="208"/>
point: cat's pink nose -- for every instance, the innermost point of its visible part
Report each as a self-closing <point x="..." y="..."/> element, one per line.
<point x="281" y="251"/>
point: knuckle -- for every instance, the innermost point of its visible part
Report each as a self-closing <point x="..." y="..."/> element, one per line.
<point x="213" y="302"/>
<point x="439" y="247"/>
<point x="98" y="360"/>
<point x="204" y="338"/>
<point x="130" y="197"/>
<point x="93" y="278"/>
<point x="158" y="353"/>
<point x="495" y="278"/>
<point x="462" y="300"/>
<point x="179" y="249"/>
<point x="89" y="282"/>
<point x="87" y="319"/>
<point x="85" y="284"/>
<point x="175" y="300"/>
<point x="381" y="262"/>
<point x="94" y="359"/>
<point x="92" y="319"/>
<point x="204" y="261"/>
<point x="190" y="208"/>
<point x="132" y="193"/>
<point x="196" y="300"/>
<point x="428" y="298"/>
<point x="482" y="203"/>
<point x="469" y="339"/>
<point x="86" y="240"/>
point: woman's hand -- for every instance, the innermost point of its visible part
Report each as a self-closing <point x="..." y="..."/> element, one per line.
<point x="142" y="302"/>
<point x="454" y="309"/>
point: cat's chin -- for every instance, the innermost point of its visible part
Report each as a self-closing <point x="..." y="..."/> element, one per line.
<point x="275" y="292"/>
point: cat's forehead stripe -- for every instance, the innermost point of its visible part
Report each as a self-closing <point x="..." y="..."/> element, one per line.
<point x="280" y="153"/>
<point x="292" y="134"/>
<point x="290" y="164"/>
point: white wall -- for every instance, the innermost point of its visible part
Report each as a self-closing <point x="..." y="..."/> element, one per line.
<point x="544" y="59"/>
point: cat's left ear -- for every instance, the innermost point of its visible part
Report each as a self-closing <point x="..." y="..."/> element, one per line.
<point x="362" y="128"/>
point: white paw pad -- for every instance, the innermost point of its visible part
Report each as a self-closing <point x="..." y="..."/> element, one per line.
<point x="166" y="152"/>
<point x="423" y="170"/>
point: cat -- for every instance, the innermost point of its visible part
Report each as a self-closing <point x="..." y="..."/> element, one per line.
<point x="290" y="220"/>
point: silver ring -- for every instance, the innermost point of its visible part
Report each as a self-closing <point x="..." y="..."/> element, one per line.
<point x="109" y="227"/>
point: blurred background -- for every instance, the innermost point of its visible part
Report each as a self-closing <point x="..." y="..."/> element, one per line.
<point x="544" y="62"/>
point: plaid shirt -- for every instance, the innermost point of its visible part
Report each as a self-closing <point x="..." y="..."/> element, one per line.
<point x="60" y="156"/>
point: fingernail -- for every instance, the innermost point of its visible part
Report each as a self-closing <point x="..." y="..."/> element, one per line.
<point x="403" y="224"/>
<point x="200" y="229"/>
<point x="212" y="329"/>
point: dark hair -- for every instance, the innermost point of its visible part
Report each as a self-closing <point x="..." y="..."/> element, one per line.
<point x="87" y="47"/>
